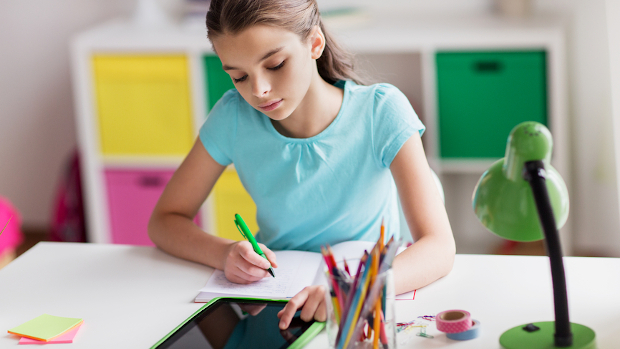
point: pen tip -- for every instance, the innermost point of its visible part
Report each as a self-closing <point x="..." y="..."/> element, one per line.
<point x="271" y="272"/>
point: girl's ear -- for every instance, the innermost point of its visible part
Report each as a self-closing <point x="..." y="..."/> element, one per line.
<point x="317" y="42"/>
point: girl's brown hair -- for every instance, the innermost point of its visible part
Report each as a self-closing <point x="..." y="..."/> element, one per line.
<point x="298" y="16"/>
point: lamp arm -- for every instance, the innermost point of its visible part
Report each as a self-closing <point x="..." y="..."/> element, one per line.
<point x="534" y="172"/>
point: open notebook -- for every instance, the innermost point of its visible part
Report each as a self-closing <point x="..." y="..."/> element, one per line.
<point x="296" y="270"/>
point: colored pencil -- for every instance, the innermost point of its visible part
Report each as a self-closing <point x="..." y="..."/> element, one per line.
<point x="382" y="334"/>
<point x="360" y="299"/>
<point x="359" y="314"/>
<point x="355" y="307"/>
<point x="376" y="330"/>
<point x="330" y="253"/>
<point x="346" y="266"/>
<point x="382" y="235"/>
<point x="326" y="259"/>
<point x="6" y="225"/>
<point x="335" y="305"/>
<point x="335" y="277"/>
<point x="371" y="299"/>
<point x="357" y="283"/>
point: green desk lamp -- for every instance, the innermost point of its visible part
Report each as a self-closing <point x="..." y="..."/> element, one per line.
<point x="521" y="197"/>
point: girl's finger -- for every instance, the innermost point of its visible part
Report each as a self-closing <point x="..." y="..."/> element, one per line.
<point x="270" y="255"/>
<point x="321" y="312"/>
<point x="286" y="314"/>
<point x="252" y="257"/>
<point x="251" y="269"/>
<point x="238" y="276"/>
<point x="313" y="303"/>
<point x="250" y="272"/>
<point x="232" y="277"/>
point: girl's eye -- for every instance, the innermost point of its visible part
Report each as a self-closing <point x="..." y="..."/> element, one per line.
<point x="240" y="79"/>
<point x="277" y="66"/>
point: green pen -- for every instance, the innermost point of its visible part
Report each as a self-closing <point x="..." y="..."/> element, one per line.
<point x="245" y="232"/>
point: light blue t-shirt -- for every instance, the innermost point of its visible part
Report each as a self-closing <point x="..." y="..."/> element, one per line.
<point x="333" y="187"/>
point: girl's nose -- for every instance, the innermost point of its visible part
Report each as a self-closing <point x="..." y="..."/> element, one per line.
<point x="260" y="87"/>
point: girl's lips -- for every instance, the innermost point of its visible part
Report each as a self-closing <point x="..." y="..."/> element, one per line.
<point x="270" y="105"/>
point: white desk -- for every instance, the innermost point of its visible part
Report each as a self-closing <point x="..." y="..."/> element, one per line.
<point x="130" y="297"/>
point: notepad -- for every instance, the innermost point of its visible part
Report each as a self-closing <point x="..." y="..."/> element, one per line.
<point x="296" y="270"/>
<point x="66" y="337"/>
<point x="45" y="327"/>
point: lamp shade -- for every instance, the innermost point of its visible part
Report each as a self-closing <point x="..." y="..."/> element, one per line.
<point x="503" y="200"/>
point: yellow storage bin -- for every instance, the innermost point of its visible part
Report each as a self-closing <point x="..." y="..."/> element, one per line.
<point x="143" y="104"/>
<point x="229" y="198"/>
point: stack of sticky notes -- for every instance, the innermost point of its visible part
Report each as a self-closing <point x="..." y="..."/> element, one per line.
<point x="47" y="329"/>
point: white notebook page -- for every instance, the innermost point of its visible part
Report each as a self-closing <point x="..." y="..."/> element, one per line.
<point x="296" y="269"/>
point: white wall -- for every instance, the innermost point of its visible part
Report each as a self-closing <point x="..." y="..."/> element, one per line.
<point x="36" y="106"/>
<point x="415" y="6"/>
<point x="37" y="131"/>
<point x="613" y="37"/>
<point x="594" y="200"/>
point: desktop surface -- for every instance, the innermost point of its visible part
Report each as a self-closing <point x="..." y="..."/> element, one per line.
<point x="131" y="296"/>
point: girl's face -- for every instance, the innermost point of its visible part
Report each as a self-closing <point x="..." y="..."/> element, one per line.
<point x="271" y="67"/>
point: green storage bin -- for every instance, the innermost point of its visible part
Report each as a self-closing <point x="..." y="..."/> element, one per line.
<point x="483" y="95"/>
<point x="217" y="80"/>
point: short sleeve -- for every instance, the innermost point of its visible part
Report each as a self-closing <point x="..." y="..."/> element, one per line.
<point x="217" y="134"/>
<point x="394" y="121"/>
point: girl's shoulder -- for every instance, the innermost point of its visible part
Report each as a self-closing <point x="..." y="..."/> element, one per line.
<point x="378" y="90"/>
<point x="377" y="96"/>
<point x="230" y="98"/>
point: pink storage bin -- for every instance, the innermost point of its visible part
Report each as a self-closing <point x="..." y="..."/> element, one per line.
<point x="132" y="195"/>
<point x="12" y="236"/>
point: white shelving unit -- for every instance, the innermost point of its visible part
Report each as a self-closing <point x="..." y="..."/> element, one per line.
<point x="122" y="37"/>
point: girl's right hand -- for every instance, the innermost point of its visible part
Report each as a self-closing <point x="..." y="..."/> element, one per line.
<point x="244" y="266"/>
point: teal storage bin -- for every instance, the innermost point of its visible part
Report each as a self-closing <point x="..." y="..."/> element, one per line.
<point x="217" y="80"/>
<point x="483" y="95"/>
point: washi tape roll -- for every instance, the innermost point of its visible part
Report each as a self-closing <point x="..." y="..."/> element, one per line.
<point x="453" y="321"/>
<point x="472" y="333"/>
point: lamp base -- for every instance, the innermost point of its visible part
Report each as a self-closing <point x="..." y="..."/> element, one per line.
<point x="518" y="338"/>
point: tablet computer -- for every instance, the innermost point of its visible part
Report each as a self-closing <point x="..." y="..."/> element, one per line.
<point x="230" y="323"/>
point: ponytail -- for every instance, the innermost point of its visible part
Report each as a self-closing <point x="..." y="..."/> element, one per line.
<point x="336" y="63"/>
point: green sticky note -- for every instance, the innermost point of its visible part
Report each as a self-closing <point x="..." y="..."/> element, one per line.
<point x="45" y="327"/>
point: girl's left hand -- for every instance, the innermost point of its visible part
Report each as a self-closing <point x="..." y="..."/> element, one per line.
<point x="312" y="299"/>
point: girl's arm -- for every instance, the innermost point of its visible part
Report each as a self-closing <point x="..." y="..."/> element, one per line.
<point x="172" y="229"/>
<point x="432" y="255"/>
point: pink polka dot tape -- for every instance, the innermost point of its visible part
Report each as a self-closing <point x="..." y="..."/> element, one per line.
<point x="453" y="321"/>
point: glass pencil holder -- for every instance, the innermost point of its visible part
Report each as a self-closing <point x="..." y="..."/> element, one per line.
<point x="352" y="308"/>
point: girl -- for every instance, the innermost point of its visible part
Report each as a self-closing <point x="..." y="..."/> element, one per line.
<point x="322" y="156"/>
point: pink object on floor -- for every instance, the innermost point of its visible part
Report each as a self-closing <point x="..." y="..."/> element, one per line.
<point x="66" y="337"/>
<point x="68" y="221"/>
<point x="12" y="235"/>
